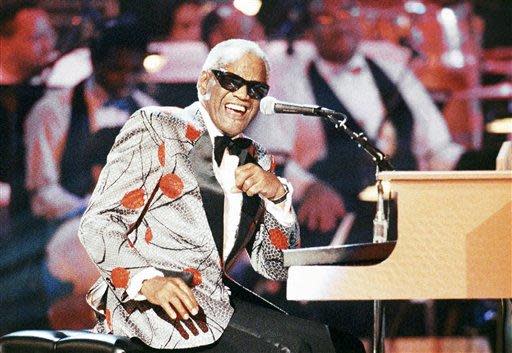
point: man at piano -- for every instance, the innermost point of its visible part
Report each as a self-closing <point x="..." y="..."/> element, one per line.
<point x="182" y="193"/>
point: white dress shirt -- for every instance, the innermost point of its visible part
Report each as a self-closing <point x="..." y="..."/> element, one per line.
<point x="225" y="175"/>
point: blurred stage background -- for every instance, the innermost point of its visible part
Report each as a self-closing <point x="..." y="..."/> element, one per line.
<point x="460" y="50"/>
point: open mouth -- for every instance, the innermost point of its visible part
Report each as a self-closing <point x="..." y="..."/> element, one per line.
<point x="236" y="108"/>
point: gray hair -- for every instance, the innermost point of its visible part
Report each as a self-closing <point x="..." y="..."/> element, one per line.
<point x="228" y="52"/>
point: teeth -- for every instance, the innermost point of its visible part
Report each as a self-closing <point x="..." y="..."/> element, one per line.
<point x="236" y="107"/>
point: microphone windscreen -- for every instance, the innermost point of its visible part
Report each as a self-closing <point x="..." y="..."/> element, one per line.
<point x="267" y="105"/>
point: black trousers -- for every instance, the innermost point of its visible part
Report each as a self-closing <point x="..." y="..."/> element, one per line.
<point x="256" y="329"/>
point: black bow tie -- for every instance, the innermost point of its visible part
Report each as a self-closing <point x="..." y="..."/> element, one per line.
<point x="234" y="146"/>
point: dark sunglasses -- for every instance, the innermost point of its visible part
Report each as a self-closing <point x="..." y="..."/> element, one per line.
<point x="231" y="82"/>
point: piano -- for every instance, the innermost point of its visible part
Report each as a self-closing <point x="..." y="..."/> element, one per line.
<point x="454" y="242"/>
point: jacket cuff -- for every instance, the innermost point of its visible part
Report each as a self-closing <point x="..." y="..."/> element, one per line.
<point x="135" y="283"/>
<point x="283" y="211"/>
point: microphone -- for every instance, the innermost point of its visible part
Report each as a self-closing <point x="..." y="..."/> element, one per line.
<point x="270" y="105"/>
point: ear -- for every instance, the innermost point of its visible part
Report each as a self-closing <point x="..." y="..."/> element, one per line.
<point x="202" y="83"/>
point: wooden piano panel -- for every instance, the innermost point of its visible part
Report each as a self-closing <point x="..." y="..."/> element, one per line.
<point x="454" y="241"/>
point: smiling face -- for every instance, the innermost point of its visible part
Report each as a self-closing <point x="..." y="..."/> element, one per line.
<point x="231" y="112"/>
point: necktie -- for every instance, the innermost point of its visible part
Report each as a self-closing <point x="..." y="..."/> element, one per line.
<point x="234" y="146"/>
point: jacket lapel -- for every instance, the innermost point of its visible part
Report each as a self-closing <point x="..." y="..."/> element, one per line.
<point x="252" y="210"/>
<point x="212" y="194"/>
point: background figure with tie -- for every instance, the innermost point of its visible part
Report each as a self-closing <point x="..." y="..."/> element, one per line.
<point x="182" y="193"/>
<point x="381" y="98"/>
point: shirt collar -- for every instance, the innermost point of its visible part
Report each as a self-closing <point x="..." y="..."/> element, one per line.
<point x="330" y="69"/>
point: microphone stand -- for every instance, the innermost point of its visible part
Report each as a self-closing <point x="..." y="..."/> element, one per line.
<point x="380" y="159"/>
<point x="380" y="235"/>
<point x="380" y="223"/>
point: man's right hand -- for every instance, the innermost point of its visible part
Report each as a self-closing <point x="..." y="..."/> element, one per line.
<point x="321" y="208"/>
<point x="172" y="294"/>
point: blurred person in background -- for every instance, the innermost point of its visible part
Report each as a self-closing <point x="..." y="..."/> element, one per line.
<point x="66" y="258"/>
<point x="63" y="119"/>
<point x="381" y="98"/>
<point x="27" y="41"/>
<point x="225" y="22"/>
<point x="185" y="20"/>
<point x="48" y="287"/>
<point x="57" y="175"/>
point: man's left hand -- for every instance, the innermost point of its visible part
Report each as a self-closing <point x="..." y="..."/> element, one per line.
<point x="252" y="179"/>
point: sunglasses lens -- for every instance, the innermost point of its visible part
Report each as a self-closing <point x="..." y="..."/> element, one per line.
<point x="233" y="83"/>
<point x="228" y="81"/>
<point x="257" y="90"/>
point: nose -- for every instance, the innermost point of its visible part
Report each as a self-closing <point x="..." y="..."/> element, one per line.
<point x="241" y="93"/>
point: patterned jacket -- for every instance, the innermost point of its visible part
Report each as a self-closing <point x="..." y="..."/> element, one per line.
<point x="147" y="211"/>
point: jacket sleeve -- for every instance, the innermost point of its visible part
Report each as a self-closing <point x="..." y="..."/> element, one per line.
<point x="270" y="241"/>
<point x="126" y="183"/>
<point x="274" y="235"/>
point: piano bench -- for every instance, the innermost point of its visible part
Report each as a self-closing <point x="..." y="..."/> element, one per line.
<point x="30" y="341"/>
<point x="66" y="341"/>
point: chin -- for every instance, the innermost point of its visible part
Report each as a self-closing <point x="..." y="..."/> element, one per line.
<point x="231" y="133"/>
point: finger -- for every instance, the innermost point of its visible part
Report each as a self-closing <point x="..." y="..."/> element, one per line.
<point x="243" y="174"/>
<point x="250" y="182"/>
<point x="248" y="173"/>
<point x="191" y="304"/>
<point x="185" y="296"/>
<point x="240" y="179"/>
<point x="168" y="309"/>
<point x="247" y="166"/>
<point x="178" y="306"/>
<point x="255" y="189"/>
<point x="244" y="171"/>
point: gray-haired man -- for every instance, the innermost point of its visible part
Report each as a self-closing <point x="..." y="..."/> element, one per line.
<point x="182" y="193"/>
